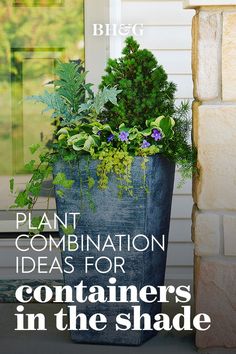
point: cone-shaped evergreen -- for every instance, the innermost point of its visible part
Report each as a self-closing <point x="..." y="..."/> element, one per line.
<point x="146" y="91"/>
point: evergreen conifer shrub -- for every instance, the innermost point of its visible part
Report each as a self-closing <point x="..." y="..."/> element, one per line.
<point x="146" y="91"/>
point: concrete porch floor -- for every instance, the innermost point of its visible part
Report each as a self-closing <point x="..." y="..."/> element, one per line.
<point x="55" y="342"/>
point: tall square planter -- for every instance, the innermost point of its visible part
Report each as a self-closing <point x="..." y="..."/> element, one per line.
<point x="146" y="213"/>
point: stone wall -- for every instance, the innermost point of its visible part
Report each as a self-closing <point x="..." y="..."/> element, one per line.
<point x="214" y="190"/>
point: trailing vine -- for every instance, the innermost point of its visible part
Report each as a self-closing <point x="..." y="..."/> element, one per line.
<point x="119" y="162"/>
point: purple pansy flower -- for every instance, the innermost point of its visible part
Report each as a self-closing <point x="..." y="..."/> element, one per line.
<point x="99" y="132"/>
<point x="156" y="134"/>
<point x="110" y="138"/>
<point x="124" y="136"/>
<point x="145" y="144"/>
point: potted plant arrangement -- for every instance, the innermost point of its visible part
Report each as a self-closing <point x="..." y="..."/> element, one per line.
<point x="113" y="157"/>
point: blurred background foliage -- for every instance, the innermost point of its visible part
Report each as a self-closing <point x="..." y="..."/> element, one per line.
<point x="32" y="34"/>
<point x="35" y="26"/>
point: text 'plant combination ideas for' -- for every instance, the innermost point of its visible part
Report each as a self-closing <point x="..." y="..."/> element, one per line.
<point x="110" y="293"/>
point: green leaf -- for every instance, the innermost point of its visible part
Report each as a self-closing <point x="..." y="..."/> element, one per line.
<point x="104" y="96"/>
<point x="71" y="83"/>
<point x="132" y="137"/>
<point x="29" y="167"/>
<point x="147" y="132"/>
<point x="61" y="180"/>
<point x="84" y="107"/>
<point x="33" y="148"/>
<point x="77" y="138"/>
<point x="69" y="230"/>
<point x="110" y="94"/>
<point x="35" y="188"/>
<point x="78" y="148"/>
<point x="96" y="129"/>
<point x="60" y="193"/>
<point x="107" y="127"/>
<point x="149" y="122"/>
<point x="12" y="184"/>
<point x="22" y="199"/>
<point x="54" y="102"/>
<point x="90" y="142"/>
<point x="166" y="125"/>
<point x="79" y="144"/>
<point x="36" y="223"/>
<point x="91" y="182"/>
<point x="63" y="130"/>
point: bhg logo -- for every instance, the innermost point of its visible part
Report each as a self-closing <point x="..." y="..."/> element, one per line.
<point x="108" y="29"/>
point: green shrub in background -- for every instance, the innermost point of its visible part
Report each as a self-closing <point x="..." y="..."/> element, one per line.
<point x="146" y="91"/>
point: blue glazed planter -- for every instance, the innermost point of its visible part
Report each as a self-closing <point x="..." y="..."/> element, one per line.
<point x="145" y="213"/>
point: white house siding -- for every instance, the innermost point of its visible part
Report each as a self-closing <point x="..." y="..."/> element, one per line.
<point x="167" y="33"/>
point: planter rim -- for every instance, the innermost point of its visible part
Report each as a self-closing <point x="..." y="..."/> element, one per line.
<point x="89" y="157"/>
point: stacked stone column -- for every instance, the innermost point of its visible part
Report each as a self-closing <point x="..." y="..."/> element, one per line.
<point x="214" y="189"/>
